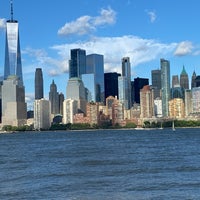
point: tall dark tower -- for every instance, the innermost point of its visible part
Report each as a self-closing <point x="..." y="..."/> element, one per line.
<point x="184" y="80"/>
<point x="39" y="91"/>
<point x="156" y="82"/>
<point x="77" y="63"/>
<point x="54" y="98"/>
<point x="193" y="83"/>
<point x="13" y="65"/>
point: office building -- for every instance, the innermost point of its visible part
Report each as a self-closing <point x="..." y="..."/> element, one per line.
<point x="111" y="84"/>
<point x="158" y="107"/>
<point x="196" y="100"/>
<point x="61" y="100"/>
<point x="14" y="109"/>
<point x="165" y="86"/>
<point x="77" y="63"/>
<point x="42" y="113"/>
<point x="95" y="66"/>
<point x="54" y="99"/>
<point x="146" y="102"/>
<point x="76" y="91"/>
<point x="188" y="102"/>
<point x="156" y="82"/>
<point x="13" y="65"/>
<point x="175" y="81"/>
<point x="123" y="91"/>
<point x="193" y="83"/>
<point x="176" y="108"/>
<point x="138" y="84"/>
<point x="70" y="108"/>
<point x="89" y="84"/>
<point x="39" y="89"/>
<point x="184" y="80"/>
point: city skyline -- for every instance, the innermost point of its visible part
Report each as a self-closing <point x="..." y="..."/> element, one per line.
<point x="143" y="30"/>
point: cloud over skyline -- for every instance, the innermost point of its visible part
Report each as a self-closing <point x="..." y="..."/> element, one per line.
<point x="87" y="24"/>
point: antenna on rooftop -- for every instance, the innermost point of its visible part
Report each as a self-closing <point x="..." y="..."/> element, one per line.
<point x="11" y="9"/>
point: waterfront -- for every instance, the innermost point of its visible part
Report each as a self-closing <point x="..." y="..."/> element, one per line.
<point x="102" y="164"/>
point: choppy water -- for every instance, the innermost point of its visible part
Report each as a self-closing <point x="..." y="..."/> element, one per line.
<point x="95" y="165"/>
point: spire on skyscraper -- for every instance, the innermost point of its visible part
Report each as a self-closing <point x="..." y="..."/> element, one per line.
<point x="11" y="10"/>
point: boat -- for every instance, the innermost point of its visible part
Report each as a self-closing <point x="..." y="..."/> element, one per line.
<point x="173" y="127"/>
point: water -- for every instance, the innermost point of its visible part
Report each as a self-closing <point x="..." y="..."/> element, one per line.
<point x="95" y="165"/>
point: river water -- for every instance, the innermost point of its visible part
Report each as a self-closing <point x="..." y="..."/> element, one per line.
<point x="102" y="164"/>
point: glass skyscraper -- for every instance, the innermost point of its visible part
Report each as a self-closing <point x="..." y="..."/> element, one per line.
<point x="125" y="83"/>
<point x="13" y="65"/>
<point x="77" y="63"/>
<point x="95" y="65"/>
<point x="156" y="82"/>
<point x="165" y="86"/>
<point x="39" y="90"/>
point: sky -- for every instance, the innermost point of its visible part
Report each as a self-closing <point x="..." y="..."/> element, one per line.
<point x="144" y="30"/>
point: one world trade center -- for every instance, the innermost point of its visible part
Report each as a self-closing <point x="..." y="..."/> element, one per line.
<point x="13" y="65"/>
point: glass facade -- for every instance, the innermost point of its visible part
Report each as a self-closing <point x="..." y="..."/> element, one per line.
<point x="77" y="63"/>
<point x="95" y="65"/>
<point x="13" y="64"/>
<point x="123" y="91"/>
<point x="39" y="89"/>
<point x="165" y="84"/>
<point x="89" y="83"/>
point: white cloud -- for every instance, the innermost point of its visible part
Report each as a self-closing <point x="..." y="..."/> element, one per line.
<point x="114" y="48"/>
<point x="2" y="23"/>
<point x="152" y="16"/>
<point x="184" y="48"/>
<point x="86" y="24"/>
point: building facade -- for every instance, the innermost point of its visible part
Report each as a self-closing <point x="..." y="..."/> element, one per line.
<point x="77" y="63"/>
<point x="14" y="109"/>
<point x="42" y="113"/>
<point x="165" y="86"/>
<point x="156" y="82"/>
<point x="184" y="80"/>
<point x="39" y="88"/>
<point x="95" y="65"/>
<point x="13" y="65"/>
<point x="54" y="99"/>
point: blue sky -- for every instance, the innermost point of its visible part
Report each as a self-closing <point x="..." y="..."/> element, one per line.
<point x="144" y="30"/>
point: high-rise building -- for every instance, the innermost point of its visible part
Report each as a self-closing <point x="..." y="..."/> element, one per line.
<point x="61" y="100"/>
<point x="54" y="99"/>
<point x="13" y="65"/>
<point x="197" y="81"/>
<point x="76" y="91"/>
<point x="70" y="108"/>
<point x="156" y="82"/>
<point x="147" y="102"/>
<point x="89" y="84"/>
<point x="138" y="84"/>
<point x="14" y="109"/>
<point x="126" y="72"/>
<point x="165" y="84"/>
<point x="196" y="100"/>
<point x="188" y="102"/>
<point x="123" y="91"/>
<point x="193" y="83"/>
<point x="95" y="65"/>
<point x="184" y="80"/>
<point x="77" y="63"/>
<point x="42" y="114"/>
<point x="39" y="89"/>
<point x="175" y="81"/>
<point x="176" y="108"/>
<point x="111" y="84"/>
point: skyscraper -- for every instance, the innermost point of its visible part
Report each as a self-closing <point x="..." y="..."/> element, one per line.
<point x="193" y="82"/>
<point x="95" y="65"/>
<point x="13" y="65"/>
<point x="54" y="98"/>
<point x="165" y="84"/>
<point x="138" y="84"/>
<point x="126" y="72"/>
<point x="77" y="63"/>
<point x="184" y="81"/>
<point x="39" y="91"/>
<point x="111" y="84"/>
<point x="156" y="82"/>
<point x="13" y="102"/>
<point x="175" y="81"/>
